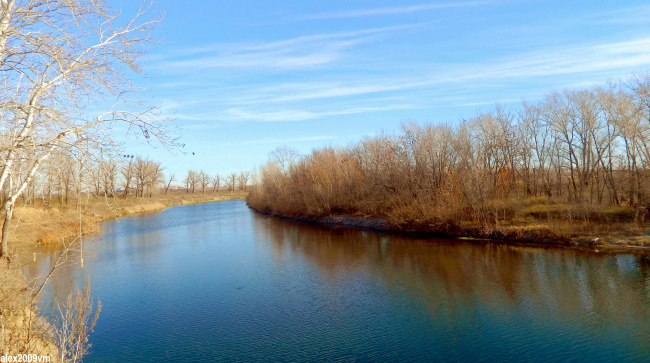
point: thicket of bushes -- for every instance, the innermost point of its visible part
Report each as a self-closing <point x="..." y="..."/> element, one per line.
<point x="578" y="156"/>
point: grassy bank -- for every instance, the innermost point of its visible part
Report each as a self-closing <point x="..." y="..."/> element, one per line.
<point x="583" y="233"/>
<point x="38" y="224"/>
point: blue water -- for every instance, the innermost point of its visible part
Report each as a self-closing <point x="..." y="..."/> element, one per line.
<point x="216" y="281"/>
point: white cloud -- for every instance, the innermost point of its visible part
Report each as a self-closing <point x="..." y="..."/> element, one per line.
<point x="295" y="53"/>
<point x="310" y="91"/>
<point x="287" y="140"/>
<point x="448" y="84"/>
<point x="239" y="114"/>
<point x="633" y="15"/>
<point x="391" y="10"/>
<point x="576" y="59"/>
<point x="547" y="62"/>
<point x="488" y="103"/>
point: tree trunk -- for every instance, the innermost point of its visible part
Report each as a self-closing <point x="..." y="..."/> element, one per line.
<point x="9" y="211"/>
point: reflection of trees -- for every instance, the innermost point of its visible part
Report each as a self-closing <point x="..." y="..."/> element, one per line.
<point x="143" y="247"/>
<point x="456" y="275"/>
<point x="328" y="254"/>
<point x="60" y="284"/>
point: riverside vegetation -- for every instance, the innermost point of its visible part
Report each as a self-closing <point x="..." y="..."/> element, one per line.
<point x="571" y="168"/>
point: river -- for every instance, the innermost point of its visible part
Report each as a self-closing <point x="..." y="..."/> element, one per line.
<point x="217" y="281"/>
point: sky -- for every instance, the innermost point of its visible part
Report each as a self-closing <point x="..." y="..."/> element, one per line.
<point x="242" y="78"/>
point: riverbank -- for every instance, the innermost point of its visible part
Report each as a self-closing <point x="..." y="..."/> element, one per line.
<point x="613" y="237"/>
<point x="40" y="224"/>
<point x="227" y="262"/>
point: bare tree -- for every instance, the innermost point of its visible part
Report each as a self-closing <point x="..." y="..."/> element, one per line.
<point x="128" y="173"/>
<point x="169" y="181"/>
<point x="191" y="180"/>
<point x="285" y="157"/>
<point x="216" y="183"/>
<point x="244" y="177"/>
<point x="580" y="148"/>
<point x="108" y="175"/>
<point x="147" y="175"/>
<point x="232" y="181"/>
<point x="56" y="59"/>
<point x="204" y="179"/>
<point x="153" y="177"/>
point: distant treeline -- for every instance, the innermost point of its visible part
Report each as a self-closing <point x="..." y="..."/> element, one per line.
<point x="575" y="155"/>
<point x="63" y="177"/>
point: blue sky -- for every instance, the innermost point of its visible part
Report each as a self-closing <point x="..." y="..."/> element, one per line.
<point x="245" y="77"/>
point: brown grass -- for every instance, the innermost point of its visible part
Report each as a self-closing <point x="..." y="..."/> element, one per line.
<point x="24" y="330"/>
<point x="39" y="224"/>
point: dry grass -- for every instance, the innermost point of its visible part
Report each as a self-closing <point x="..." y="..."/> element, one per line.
<point x="531" y="232"/>
<point x="23" y="330"/>
<point x="38" y="224"/>
<point x="69" y="231"/>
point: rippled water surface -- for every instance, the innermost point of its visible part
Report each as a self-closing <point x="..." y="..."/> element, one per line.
<point x="217" y="281"/>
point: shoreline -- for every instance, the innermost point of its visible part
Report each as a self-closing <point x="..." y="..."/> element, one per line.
<point x="36" y="223"/>
<point x="36" y="226"/>
<point x="610" y="244"/>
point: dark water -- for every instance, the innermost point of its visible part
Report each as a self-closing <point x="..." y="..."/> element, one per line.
<point x="216" y="281"/>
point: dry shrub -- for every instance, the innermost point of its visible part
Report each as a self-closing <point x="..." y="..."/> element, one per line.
<point x="70" y="231"/>
<point x="73" y="320"/>
<point x="146" y="207"/>
<point x="578" y="212"/>
<point x="22" y="330"/>
<point x="533" y="232"/>
<point x="554" y="211"/>
<point x="613" y="214"/>
<point x="530" y="201"/>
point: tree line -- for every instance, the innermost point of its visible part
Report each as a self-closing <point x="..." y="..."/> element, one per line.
<point x="195" y="180"/>
<point x="63" y="178"/>
<point x="581" y="147"/>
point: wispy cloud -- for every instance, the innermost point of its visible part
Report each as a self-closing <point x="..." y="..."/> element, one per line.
<point x="391" y="10"/>
<point x="547" y="62"/>
<point x="310" y="91"/>
<point x="633" y="15"/>
<point x="270" y="140"/>
<point x="279" y="58"/>
<point x="375" y="91"/>
<point x="488" y="103"/>
<point x="295" y="53"/>
<point x="575" y="59"/>
<point x="240" y="114"/>
<point x="594" y="58"/>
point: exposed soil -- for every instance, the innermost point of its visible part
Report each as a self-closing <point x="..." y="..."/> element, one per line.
<point x="531" y="234"/>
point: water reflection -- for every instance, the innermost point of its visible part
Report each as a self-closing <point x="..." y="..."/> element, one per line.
<point x="598" y="297"/>
<point x="216" y="281"/>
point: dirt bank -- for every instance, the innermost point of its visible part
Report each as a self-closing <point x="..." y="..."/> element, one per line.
<point x="539" y="234"/>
